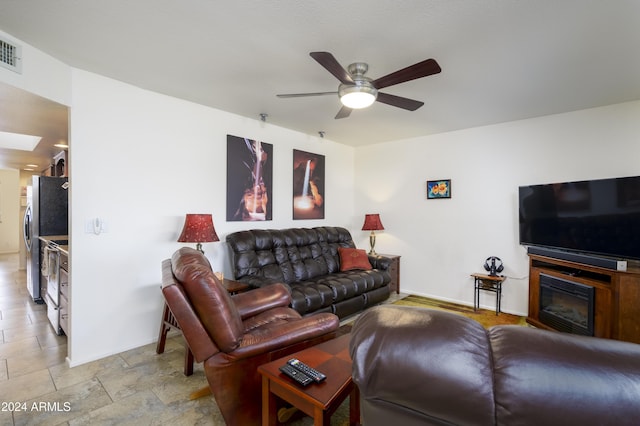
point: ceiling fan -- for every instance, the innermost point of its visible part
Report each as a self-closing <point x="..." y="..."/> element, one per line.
<point x="357" y="91"/>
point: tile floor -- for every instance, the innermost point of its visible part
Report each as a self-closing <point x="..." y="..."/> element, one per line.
<point x="137" y="387"/>
<point x="37" y="387"/>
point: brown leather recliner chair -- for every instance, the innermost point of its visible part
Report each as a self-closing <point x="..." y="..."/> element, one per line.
<point x="233" y="335"/>
<point x="416" y="366"/>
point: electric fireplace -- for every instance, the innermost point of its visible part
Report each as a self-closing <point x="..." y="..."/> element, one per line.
<point x="566" y="305"/>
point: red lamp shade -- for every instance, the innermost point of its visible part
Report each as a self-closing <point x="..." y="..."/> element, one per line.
<point x="198" y="228"/>
<point x="372" y="223"/>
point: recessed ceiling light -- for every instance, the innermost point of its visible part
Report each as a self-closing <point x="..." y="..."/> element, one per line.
<point x="31" y="165"/>
<point x="61" y="145"/>
<point x="18" y="141"/>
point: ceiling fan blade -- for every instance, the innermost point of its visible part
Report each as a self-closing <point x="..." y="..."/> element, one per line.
<point x="419" y="70"/>
<point x="327" y="60"/>
<point x="301" y="95"/>
<point x="344" y="112"/>
<point x="398" y="101"/>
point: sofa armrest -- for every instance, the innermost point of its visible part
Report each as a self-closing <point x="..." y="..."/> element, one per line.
<point x="439" y="355"/>
<point x="380" y="262"/>
<point x="289" y="329"/>
<point x="261" y="299"/>
<point x="578" y="378"/>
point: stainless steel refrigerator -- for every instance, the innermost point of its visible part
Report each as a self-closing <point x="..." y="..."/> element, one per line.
<point x="47" y="213"/>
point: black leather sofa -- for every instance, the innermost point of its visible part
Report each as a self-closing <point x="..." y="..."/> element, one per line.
<point x="417" y="366"/>
<point x="308" y="261"/>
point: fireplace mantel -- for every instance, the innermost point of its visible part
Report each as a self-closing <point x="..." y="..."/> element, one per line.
<point x="617" y="295"/>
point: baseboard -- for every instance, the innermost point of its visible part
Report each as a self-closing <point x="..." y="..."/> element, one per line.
<point x="468" y="304"/>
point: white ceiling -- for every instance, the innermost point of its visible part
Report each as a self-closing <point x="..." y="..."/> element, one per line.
<point x="502" y="60"/>
<point x="25" y="113"/>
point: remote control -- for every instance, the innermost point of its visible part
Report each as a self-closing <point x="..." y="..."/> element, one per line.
<point x="296" y="375"/>
<point x="301" y="366"/>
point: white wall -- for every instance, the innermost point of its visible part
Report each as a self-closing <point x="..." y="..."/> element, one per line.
<point x="443" y="241"/>
<point x="9" y="211"/>
<point x="140" y="161"/>
<point x="41" y="73"/>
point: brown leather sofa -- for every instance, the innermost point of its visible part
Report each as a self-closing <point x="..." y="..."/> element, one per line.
<point x="233" y="335"/>
<point x="309" y="262"/>
<point x="417" y="366"/>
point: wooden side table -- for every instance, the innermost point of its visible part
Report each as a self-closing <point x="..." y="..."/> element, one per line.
<point x="168" y="321"/>
<point x="491" y="283"/>
<point x="394" y="270"/>
<point x="319" y="401"/>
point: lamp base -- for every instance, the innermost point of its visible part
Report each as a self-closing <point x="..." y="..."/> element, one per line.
<point x="199" y="247"/>
<point x="372" y="243"/>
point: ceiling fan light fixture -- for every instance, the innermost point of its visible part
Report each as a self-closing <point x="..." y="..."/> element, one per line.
<point x="357" y="96"/>
<point x="358" y="91"/>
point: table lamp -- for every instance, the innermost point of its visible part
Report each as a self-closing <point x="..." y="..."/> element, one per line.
<point x="198" y="228"/>
<point x="372" y="223"/>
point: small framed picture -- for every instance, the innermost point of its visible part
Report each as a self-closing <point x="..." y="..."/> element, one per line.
<point x="438" y="189"/>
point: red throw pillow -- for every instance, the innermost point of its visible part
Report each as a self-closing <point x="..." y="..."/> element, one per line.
<point x="351" y="258"/>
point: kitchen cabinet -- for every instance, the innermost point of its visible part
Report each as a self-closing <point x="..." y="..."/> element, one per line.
<point x="60" y="164"/>
<point x="55" y="272"/>
<point x="64" y="289"/>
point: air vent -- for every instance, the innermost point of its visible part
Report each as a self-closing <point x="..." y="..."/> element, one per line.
<point x="10" y="56"/>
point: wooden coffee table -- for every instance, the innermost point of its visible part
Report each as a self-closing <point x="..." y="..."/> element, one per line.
<point x="319" y="401"/>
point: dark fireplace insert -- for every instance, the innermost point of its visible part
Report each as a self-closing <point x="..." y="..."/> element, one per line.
<point x="566" y="305"/>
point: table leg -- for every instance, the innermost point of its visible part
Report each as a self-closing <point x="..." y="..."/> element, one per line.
<point x="476" y="295"/>
<point x="269" y="415"/>
<point x="168" y="321"/>
<point x="188" y="361"/>
<point x="354" y="407"/>
<point x="320" y="417"/>
<point x="164" y="329"/>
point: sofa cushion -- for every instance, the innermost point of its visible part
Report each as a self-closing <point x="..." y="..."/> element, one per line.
<point x="307" y="297"/>
<point x="324" y="291"/>
<point x="352" y="258"/>
<point x="209" y="298"/>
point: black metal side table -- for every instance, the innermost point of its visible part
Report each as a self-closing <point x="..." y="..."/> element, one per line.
<point x="491" y="283"/>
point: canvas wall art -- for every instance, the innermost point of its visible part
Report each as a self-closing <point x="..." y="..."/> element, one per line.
<point x="308" y="185"/>
<point x="249" y="179"/>
<point x="438" y="189"/>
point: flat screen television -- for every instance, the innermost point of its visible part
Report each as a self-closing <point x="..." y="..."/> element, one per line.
<point x="600" y="217"/>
